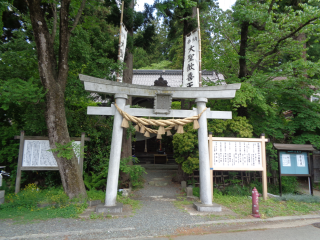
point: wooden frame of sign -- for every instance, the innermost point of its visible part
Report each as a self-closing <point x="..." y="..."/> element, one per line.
<point x="242" y="154"/>
<point x="20" y="167"/>
<point x="292" y="150"/>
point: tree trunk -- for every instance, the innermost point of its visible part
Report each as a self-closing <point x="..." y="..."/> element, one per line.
<point x="180" y="175"/>
<point x="54" y="82"/>
<point x="126" y="150"/>
<point x="243" y="48"/>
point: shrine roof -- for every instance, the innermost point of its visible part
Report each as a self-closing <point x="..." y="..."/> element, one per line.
<point x="174" y="77"/>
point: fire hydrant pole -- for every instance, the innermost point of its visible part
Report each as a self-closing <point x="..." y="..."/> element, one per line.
<point x="255" y="203"/>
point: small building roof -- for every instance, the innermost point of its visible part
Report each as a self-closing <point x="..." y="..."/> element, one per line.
<point x="174" y="77"/>
<point x="294" y="147"/>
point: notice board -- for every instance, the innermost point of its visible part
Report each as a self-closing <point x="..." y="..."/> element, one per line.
<point x="295" y="163"/>
<point x="233" y="155"/>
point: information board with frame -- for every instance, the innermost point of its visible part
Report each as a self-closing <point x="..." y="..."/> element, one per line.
<point x="42" y="167"/>
<point x="239" y="154"/>
<point x="294" y="160"/>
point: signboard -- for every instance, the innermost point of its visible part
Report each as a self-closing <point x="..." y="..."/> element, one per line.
<point x="36" y="154"/>
<point x="236" y="156"/>
<point x="191" y="60"/>
<point x="294" y="163"/>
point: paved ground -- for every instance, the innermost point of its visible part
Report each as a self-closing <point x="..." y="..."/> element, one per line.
<point x="303" y="187"/>
<point x="157" y="217"/>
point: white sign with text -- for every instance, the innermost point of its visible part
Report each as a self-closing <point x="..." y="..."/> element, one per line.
<point x="236" y="156"/>
<point x="36" y="154"/>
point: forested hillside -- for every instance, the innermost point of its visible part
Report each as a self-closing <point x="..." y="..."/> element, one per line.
<point x="269" y="46"/>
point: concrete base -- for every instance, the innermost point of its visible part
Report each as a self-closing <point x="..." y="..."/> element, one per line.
<point x="105" y="209"/>
<point x="94" y="203"/>
<point x="207" y="208"/>
<point x="2" y="196"/>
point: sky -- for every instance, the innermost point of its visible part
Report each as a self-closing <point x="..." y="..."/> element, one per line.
<point x="224" y="4"/>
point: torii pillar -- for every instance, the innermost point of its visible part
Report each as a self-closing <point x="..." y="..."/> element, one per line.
<point x="165" y="94"/>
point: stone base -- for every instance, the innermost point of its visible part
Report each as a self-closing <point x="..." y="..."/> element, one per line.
<point x="206" y="207"/>
<point x="106" y="209"/>
<point x="2" y="196"/>
<point x="94" y="203"/>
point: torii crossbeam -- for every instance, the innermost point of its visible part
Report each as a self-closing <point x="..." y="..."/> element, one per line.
<point x="123" y="90"/>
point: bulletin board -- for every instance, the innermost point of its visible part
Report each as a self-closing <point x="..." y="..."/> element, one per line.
<point x="294" y="163"/>
<point x="294" y="160"/>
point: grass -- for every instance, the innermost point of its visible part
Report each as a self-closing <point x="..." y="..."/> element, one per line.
<point x="32" y="204"/>
<point x="26" y="205"/>
<point x="135" y="204"/>
<point x="181" y="202"/>
<point x="270" y="208"/>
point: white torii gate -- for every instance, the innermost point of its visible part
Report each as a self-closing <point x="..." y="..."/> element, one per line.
<point x="123" y="90"/>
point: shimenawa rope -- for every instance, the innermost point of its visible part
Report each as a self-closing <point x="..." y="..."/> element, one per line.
<point x="171" y="123"/>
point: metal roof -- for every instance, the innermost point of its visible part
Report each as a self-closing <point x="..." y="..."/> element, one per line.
<point x="294" y="147"/>
<point x="174" y="77"/>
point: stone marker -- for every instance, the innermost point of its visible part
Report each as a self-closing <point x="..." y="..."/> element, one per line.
<point x="2" y="196"/>
<point x="189" y="191"/>
<point x="183" y="185"/>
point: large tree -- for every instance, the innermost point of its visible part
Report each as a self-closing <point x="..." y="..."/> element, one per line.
<point x="53" y="71"/>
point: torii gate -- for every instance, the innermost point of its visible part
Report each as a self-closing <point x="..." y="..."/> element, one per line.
<point x="162" y="109"/>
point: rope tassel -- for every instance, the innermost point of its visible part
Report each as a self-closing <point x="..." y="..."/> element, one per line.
<point x="147" y="134"/>
<point x="161" y="130"/>
<point x="125" y="123"/>
<point x="136" y="127"/>
<point x="169" y="133"/>
<point x="196" y="124"/>
<point x="180" y="129"/>
<point x="159" y="136"/>
<point x="142" y="129"/>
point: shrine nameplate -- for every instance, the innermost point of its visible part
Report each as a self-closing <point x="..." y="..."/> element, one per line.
<point x="36" y="154"/>
<point x="236" y="156"/>
<point x="162" y="103"/>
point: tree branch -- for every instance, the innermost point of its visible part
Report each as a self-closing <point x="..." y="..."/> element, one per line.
<point x="54" y="28"/>
<point x="76" y="20"/>
<point x="234" y="47"/>
<point x="275" y="49"/>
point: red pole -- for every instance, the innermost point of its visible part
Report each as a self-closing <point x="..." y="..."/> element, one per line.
<point x="255" y="203"/>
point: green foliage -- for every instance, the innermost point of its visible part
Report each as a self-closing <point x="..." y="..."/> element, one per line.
<point x="94" y="194"/>
<point x="176" y="105"/>
<point x="289" y="184"/>
<point x="242" y="205"/>
<point x="159" y="66"/>
<point x="185" y="148"/>
<point x="135" y="204"/>
<point x="33" y="203"/>
<point x="67" y="150"/>
<point x="95" y="181"/>
<point x="135" y="171"/>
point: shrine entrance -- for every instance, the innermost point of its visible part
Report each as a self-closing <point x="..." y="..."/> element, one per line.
<point x="162" y="108"/>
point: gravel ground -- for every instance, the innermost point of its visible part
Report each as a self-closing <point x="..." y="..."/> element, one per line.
<point x="157" y="217"/>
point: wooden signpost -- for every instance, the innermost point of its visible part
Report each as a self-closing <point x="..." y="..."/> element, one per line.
<point x="238" y="154"/>
<point x="34" y="155"/>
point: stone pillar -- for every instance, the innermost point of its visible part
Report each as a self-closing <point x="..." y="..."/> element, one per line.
<point x="204" y="168"/>
<point x="114" y="162"/>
